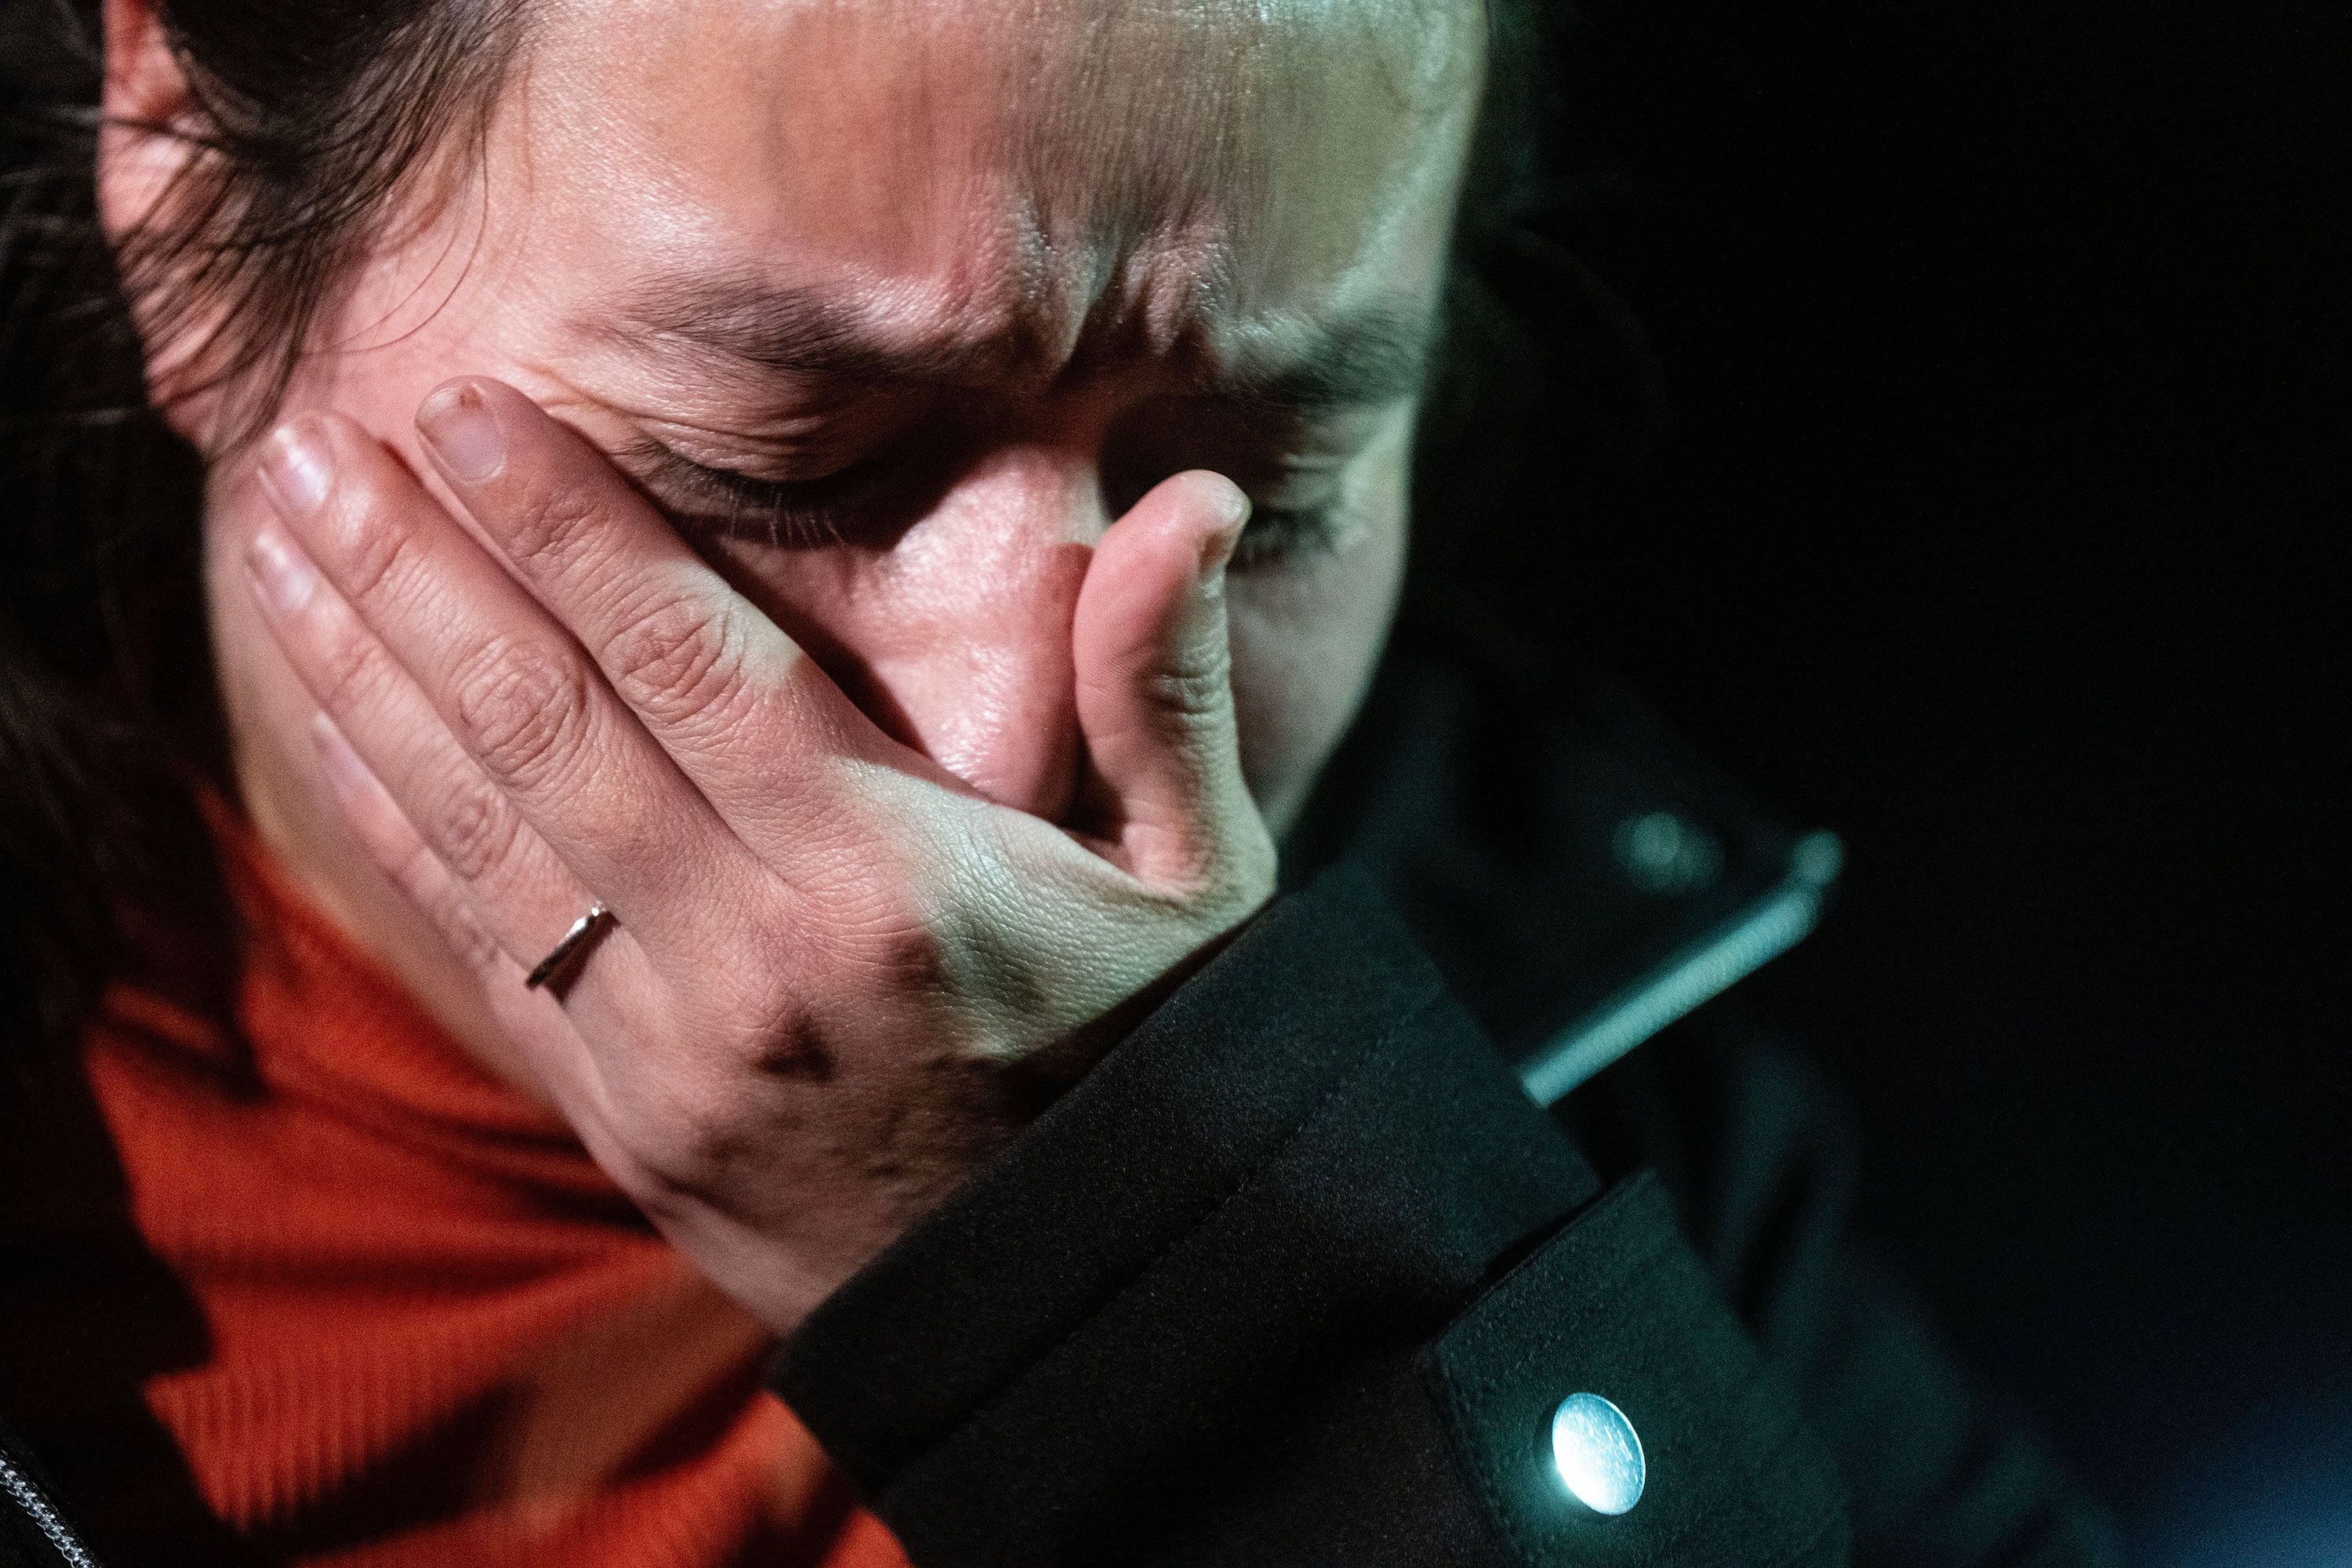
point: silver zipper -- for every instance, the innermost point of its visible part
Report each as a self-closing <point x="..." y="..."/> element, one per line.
<point x="19" y="1485"/>
<point x="1699" y="972"/>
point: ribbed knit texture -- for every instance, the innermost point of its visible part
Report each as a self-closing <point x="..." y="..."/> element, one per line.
<point x="433" y="1332"/>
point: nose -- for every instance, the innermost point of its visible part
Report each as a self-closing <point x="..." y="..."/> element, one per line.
<point x="961" y="628"/>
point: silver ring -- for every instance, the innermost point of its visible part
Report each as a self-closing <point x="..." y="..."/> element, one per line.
<point x="582" y="930"/>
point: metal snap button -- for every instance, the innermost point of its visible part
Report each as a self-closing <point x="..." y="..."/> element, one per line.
<point x="1665" y="853"/>
<point x="1597" y="1453"/>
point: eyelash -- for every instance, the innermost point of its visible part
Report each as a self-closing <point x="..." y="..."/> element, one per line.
<point x="803" y="514"/>
<point x="1276" y="534"/>
<point x="798" y="514"/>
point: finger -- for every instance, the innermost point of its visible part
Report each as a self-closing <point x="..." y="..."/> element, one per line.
<point x="732" y="699"/>
<point x="497" y="893"/>
<point x="1154" y="674"/>
<point x="508" y="685"/>
<point x="538" y="1021"/>
<point x="391" y="840"/>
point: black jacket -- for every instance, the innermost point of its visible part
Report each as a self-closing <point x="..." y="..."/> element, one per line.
<point x="1300" y="1273"/>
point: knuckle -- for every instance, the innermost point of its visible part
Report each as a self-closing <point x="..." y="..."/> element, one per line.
<point x="475" y="831"/>
<point x="462" y="929"/>
<point x="349" y="667"/>
<point x="376" y="553"/>
<point x="1187" y="695"/>
<point x="449" y="912"/>
<point x="544" y="532"/>
<point x="469" y="938"/>
<point x="674" y="660"/>
<point x="1195" y="687"/>
<point x="521" y="707"/>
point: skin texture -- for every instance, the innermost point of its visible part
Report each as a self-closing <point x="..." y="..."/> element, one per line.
<point x="913" y="776"/>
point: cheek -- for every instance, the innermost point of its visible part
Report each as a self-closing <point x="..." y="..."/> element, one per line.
<point x="1304" y="639"/>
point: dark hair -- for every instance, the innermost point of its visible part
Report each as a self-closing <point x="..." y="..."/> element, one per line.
<point x="311" y="115"/>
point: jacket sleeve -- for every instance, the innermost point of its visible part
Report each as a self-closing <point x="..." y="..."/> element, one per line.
<point x="1761" y="1157"/>
<point x="1299" y="1276"/>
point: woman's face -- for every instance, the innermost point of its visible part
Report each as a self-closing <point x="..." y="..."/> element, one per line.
<point x="894" y="307"/>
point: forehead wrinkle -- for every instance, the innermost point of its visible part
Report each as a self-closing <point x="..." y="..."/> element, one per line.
<point x="1079" y="161"/>
<point x="1372" y="353"/>
<point x="1184" y="137"/>
<point x="1135" y="126"/>
<point x="1146" y="164"/>
<point x="801" y="330"/>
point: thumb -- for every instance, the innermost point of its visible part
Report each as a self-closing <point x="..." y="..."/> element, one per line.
<point x="1155" y="696"/>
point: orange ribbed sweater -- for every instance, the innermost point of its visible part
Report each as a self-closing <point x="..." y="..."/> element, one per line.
<point x="430" y="1330"/>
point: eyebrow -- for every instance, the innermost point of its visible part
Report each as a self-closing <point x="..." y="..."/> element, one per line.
<point x="1363" y="356"/>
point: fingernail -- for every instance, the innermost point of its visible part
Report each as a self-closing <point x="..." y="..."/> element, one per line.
<point x="1216" y="551"/>
<point x="1232" y="502"/>
<point x="282" y="575"/>
<point x="297" y="467"/>
<point x="1217" y="548"/>
<point x="344" y="770"/>
<point x="464" y="434"/>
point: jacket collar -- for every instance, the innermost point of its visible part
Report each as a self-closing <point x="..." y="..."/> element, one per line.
<point x="1580" y="875"/>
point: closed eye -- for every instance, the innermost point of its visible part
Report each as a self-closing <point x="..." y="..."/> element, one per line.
<point x="1276" y="534"/>
<point x="789" y="514"/>
<point x="865" y="503"/>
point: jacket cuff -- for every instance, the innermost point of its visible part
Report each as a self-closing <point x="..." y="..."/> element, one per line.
<point x="1307" y="1160"/>
<point x="1616" y="1308"/>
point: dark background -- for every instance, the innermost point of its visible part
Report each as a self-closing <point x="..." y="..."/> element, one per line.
<point x="1988" y="503"/>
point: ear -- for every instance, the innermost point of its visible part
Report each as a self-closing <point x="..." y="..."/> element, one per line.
<point x="144" y="99"/>
<point x="144" y="90"/>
